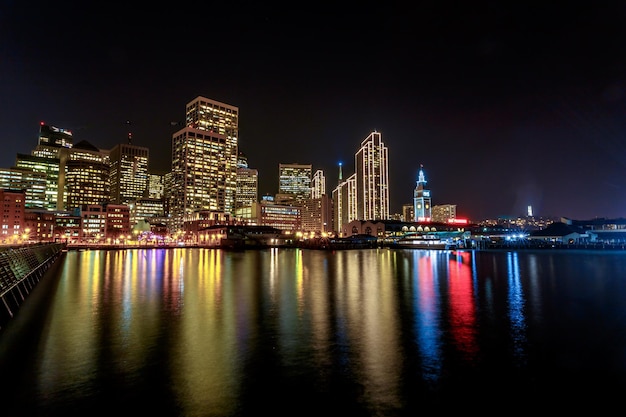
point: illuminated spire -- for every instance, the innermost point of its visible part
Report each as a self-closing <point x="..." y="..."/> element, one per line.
<point x="421" y="179"/>
<point x="340" y="173"/>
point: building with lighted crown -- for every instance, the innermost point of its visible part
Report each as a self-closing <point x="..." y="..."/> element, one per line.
<point x="372" y="177"/>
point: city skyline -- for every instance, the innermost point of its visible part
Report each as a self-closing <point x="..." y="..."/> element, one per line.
<point x="504" y="106"/>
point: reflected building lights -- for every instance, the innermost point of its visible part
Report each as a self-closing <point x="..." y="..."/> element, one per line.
<point x="516" y="308"/>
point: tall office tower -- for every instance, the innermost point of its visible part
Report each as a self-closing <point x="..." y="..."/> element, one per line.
<point x="318" y="184"/>
<point x="84" y="174"/>
<point x="372" y="173"/>
<point x="128" y="172"/>
<point x="294" y="181"/>
<point x="51" y="140"/>
<point x="421" y="199"/>
<point x="344" y="203"/>
<point x="204" y="160"/>
<point x="50" y="168"/>
<point x="33" y="184"/>
<point x="247" y="184"/>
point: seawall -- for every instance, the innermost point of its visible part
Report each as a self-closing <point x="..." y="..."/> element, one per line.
<point x="21" y="269"/>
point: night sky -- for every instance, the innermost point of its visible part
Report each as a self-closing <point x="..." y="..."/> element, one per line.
<point x="505" y="104"/>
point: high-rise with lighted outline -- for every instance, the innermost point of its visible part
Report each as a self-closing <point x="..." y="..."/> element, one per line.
<point x="372" y="176"/>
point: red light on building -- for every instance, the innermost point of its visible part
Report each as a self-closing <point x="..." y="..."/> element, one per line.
<point x="457" y="221"/>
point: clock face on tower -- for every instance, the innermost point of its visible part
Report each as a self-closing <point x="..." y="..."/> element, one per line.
<point x="426" y="193"/>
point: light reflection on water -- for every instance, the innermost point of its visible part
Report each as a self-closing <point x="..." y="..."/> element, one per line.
<point x="196" y="332"/>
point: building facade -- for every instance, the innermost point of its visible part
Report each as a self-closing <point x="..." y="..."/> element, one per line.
<point x="204" y="160"/>
<point x="84" y="175"/>
<point x="128" y="172"/>
<point x="372" y="175"/>
<point x="294" y="182"/>
<point x="318" y="184"/>
<point x="247" y="184"/>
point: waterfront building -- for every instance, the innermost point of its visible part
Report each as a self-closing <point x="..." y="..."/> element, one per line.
<point x="443" y="213"/>
<point x="408" y="212"/>
<point x="317" y="215"/>
<point x="68" y="226"/>
<point x="204" y="160"/>
<point x="117" y="224"/>
<point x="93" y="220"/>
<point x="280" y="216"/>
<point x="12" y="217"/>
<point x="372" y="176"/>
<point x="145" y="209"/>
<point x="294" y="182"/>
<point x="421" y="199"/>
<point x="128" y="172"/>
<point x="32" y="182"/>
<point x="39" y="225"/>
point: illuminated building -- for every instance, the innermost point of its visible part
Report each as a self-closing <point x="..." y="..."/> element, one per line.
<point x="407" y="212"/>
<point x="33" y="183"/>
<point x="279" y="216"/>
<point x="50" y="168"/>
<point x="421" y="199"/>
<point x="444" y="213"/>
<point x="145" y="209"/>
<point x="128" y="172"/>
<point x="247" y="185"/>
<point x="155" y="185"/>
<point x="39" y="225"/>
<point x="12" y="217"/>
<point x="204" y="160"/>
<point x="294" y="182"/>
<point x="318" y="184"/>
<point x="51" y="140"/>
<point x="84" y="173"/>
<point x="372" y="176"/>
<point x="344" y="199"/>
<point x="117" y="225"/>
<point x="52" y="143"/>
<point x="316" y="215"/>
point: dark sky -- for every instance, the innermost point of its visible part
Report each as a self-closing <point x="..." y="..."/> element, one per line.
<point x="505" y="104"/>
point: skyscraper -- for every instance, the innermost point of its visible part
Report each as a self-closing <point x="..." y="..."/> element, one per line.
<point x="129" y="172"/>
<point x="204" y="160"/>
<point x="318" y="184"/>
<point x="84" y="175"/>
<point x="344" y="202"/>
<point x="49" y="166"/>
<point x="247" y="183"/>
<point x="294" y="181"/>
<point x="372" y="176"/>
<point x="421" y="199"/>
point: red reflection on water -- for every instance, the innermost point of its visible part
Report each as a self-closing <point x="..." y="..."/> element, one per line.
<point x="462" y="308"/>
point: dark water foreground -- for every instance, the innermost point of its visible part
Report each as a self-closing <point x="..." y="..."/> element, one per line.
<point x="375" y="332"/>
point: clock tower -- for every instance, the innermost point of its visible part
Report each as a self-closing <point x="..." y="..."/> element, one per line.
<point x="421" y="199"/>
